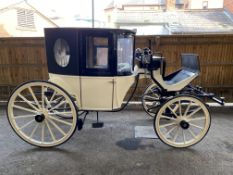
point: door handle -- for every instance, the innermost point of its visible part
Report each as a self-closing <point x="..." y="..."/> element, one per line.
<point x="112" y="81"/>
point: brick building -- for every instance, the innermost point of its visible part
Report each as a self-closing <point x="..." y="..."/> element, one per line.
<point x="151" y="17"/>
<point x="228" y="5"/>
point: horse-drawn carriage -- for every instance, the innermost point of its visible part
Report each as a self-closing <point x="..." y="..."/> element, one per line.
<point x="92" y="70"/>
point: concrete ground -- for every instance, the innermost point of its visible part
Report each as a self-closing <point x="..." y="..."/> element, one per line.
<point x="114" y="150"/>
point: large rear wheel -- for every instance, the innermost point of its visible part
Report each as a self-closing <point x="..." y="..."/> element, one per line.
<point x="42" y="113"/>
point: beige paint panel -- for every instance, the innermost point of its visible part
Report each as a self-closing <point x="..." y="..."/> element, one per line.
<point x="69" y="83"/>
<point x="96" y="93"/>
<point x="122" y="85"/>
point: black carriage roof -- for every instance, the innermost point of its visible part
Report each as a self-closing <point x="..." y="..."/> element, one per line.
<point x="93" y="29"/>
<point x="77" y="50"/>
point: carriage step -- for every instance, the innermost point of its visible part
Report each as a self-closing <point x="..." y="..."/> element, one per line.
<point x="98" y="125"/>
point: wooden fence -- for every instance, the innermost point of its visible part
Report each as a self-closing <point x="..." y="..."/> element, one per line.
<point x="23" y="59"/>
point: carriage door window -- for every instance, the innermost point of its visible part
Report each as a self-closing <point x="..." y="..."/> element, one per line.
<point x="97" y="53"/>
<point x="125" y="55"/>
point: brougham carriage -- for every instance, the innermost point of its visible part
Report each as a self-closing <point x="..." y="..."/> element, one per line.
<point x="92" y="70"/>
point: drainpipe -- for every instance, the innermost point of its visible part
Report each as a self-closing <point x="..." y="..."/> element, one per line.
<point x="93" y="13"/>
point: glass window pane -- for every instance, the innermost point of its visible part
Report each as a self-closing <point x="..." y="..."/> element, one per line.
<point x="125" y="55"/>
<point x="97" y="53"/>
<point x="102" y="57"/>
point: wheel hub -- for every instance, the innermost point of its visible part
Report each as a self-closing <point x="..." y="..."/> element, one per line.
<point x="39" y="118"/>
<point x="184" y="124"/>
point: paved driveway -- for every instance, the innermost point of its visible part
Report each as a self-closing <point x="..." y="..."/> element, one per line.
<point x="114" y="150"/>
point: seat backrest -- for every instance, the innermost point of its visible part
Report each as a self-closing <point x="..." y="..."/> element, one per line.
<point x="190" y="62"/>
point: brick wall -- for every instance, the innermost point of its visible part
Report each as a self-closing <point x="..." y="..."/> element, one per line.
<point x="171" y="4"/>
<point x="228" y="4"/>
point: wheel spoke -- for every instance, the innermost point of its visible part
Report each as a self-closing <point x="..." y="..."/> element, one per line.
<point x="28" y="123"/>
<point x="196" y="119"/>
<point x="23" y="116"/>
<point x="166" y="125"/>
<point x="187" y="109"/>
<point x="194" y="112"/>
<point x="50" y="131"/>
<point x="196" y="126"/>
<point x="180" y="110"/>
<point x="58" y="128"/>
<point x="47" y="102"/>
<point x="28" y="102"/>
<point x="34" y="130"/>
<point x="169" y="118"/>
<point x="58" y="105"/>
<point x="57" y="99"/>
<point x="42" y="132"/>
<point x="175" y="108"/>
<point x="191" y="132"/>
<point x="176" y="135"/>
<point x="172" y="129"/>
<point x="34" y="97"/>
<point x="184" y="140"/>
<point x="60" y="113"/>
<point x="24" y="109"/>
<point x="61" y="121"/>
<point x="42" y="96"/>
<point x="51" y="99"/>
<point x="173" y="111"/>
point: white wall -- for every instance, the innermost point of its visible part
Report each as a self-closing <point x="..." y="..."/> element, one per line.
<point x="8" y="19"/>
<point x="141" y="8"/>
<point x="197" y="4"/>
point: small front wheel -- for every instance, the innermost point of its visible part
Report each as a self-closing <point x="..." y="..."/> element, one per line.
<point x="42" y="113"/>
<point x="182" y="121"/>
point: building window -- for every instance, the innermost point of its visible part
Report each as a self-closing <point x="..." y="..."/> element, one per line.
<point x="205" y="4"/>
<point x="162" y="2"/>
<point x="180" y="4"/>
<point x="109" y="18"/>
<point x="25" y="18"/>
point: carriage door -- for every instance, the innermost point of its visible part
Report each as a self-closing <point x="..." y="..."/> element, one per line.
<point x="97" y="76"/>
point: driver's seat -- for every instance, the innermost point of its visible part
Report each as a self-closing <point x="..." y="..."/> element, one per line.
<point x="178" y="80"/>
<point x="190" y="67"/>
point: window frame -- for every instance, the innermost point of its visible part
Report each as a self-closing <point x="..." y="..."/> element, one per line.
<point x="205" y="4"/>
<point x="110" y="70"/>
<point x="133" y="61"/>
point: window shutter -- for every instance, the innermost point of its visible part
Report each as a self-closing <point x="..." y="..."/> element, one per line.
<point x="25" y="18"/>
